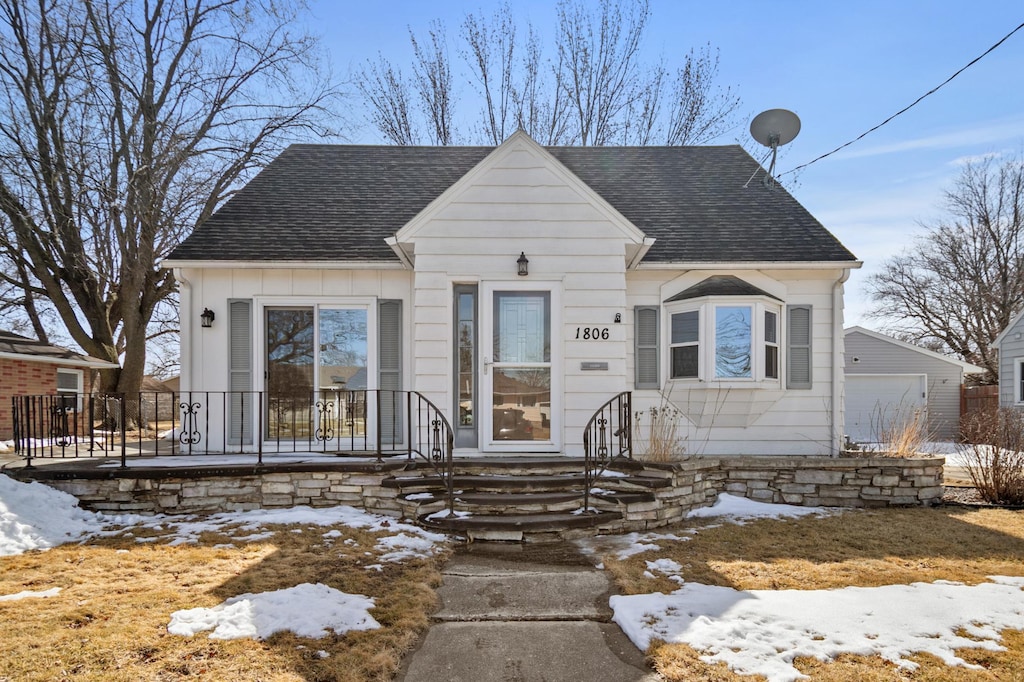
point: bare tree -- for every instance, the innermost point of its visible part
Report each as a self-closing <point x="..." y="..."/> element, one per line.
<point x="490" y="53"/>
<point x="963" y="280"/>
<point x="387" y="94"/>
<point x="595" y="89"/>
<point x="433" y="76"/>
<point x="122" y="125"/>
<point x="600" y="58"/>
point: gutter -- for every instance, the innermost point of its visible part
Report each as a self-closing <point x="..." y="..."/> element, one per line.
<point x="838" y="377"/>
<point x="185" y="333"/>
<point x="400" y="252"/>
<point x="752" y="265"/>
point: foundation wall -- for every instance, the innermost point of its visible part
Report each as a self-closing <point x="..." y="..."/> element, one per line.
<point x="805" y="481"/>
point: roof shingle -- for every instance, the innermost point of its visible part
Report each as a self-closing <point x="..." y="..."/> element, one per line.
<point x="339" y="202"/>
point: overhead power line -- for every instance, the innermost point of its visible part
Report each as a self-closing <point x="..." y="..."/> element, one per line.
<point x="909" y="106"/>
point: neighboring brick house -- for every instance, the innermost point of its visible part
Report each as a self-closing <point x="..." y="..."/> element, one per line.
<point x="30" y="367"/>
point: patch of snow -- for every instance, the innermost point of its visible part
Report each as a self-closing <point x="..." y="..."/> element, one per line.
<point x="307" y="610"/>
<point x="29" y="594"/>
<point x="740" y="509"/>
<point x="761" y="632"/>
<point x="36" y="516"/>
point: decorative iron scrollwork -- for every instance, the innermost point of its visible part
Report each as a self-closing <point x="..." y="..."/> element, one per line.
<point x="190" y="433"/>
<point x="602" y="441"/>
<point x="60" y="434"/>
<point x="435" y="450"/>
<point x="325" y="420"/>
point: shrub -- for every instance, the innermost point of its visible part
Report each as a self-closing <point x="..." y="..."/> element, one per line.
<point x="661" y="436"/>
<point x="995" y="458"/>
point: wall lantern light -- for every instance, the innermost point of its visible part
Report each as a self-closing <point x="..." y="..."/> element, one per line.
<point x="523" y="263"/>
<point x="207" y="318"/>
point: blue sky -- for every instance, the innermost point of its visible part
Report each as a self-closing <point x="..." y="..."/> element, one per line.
<point x="842" y="67"/>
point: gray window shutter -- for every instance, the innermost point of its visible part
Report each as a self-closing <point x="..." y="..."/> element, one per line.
<point x="240" y="370"/>
<point x="645" y="346"/>
<point x="798" y="346"/>
<point x="389" y="364"/>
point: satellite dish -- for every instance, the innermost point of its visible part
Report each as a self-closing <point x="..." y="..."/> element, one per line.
<point x="774" y="128"/>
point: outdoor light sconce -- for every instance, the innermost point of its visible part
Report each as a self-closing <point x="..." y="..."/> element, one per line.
<point x="523" y="264"/>
<point x="207" y="318"/>
<point x="618" y="318"/>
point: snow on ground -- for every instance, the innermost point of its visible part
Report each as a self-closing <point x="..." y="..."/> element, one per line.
<point x="763" y="631"/>
<point x="740" y="509"/>
<point x="307" y="610"/>
<point x="35" y="516"/>
<point x="30" y="594"/>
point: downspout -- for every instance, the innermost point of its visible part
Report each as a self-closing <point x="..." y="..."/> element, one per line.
<point x="185" y="335"/>
<point x="837" y="362"/>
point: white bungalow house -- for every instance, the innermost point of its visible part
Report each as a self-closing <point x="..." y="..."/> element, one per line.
<point x="518" y="288"/>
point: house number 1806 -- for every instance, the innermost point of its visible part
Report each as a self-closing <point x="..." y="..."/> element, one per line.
<point x="592" y="333"/>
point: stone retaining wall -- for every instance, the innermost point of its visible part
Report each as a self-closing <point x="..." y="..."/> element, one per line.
<point x="238" y="492"/>
<point x="830" y="482"/>
<point x="696" y="482"/>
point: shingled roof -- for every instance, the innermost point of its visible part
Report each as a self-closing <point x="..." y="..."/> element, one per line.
<point x="340" y="202"/>
<point x="15" y="346"/>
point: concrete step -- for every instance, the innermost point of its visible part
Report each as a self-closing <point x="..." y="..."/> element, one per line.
<point x="543" y="527"/>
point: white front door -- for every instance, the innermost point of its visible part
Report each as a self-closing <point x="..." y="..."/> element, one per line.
<point x="520" y="382"/>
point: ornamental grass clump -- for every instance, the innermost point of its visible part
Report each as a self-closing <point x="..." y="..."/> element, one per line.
<point x="656" y="432"/>
<point x="903" y="434"/>
<point x="995" y="458"/>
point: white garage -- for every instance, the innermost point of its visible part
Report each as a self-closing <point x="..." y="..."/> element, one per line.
<point x="877" y="402"/>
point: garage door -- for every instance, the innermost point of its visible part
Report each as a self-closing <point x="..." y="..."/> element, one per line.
<point x="875" y="402"/>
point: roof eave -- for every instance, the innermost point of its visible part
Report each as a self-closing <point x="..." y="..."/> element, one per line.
<point x="284" y="264"/>
<point x="749" y="265"/>
<point x="86" y="362"/>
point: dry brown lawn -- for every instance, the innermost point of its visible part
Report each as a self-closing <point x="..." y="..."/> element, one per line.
<point x="863" y="548"/>
<point x="109" y="622"/>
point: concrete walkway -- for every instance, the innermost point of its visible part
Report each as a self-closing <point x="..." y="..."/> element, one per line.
<point x="524" y="614"/>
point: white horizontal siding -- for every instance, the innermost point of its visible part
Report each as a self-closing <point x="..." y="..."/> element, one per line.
<point x="758" y="421"/>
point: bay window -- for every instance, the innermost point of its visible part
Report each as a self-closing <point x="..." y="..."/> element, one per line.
<point x="724" y="340"/>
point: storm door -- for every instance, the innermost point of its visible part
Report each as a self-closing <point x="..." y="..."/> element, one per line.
<point x="516" y="390"/>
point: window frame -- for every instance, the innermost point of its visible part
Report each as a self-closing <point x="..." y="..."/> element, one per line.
<point x="706" y="308"/>
<point x="79" y="385"/>
<point x="1018" y="380"/>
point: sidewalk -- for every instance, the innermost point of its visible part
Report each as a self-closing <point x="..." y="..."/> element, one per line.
<point x="524" y="614"/>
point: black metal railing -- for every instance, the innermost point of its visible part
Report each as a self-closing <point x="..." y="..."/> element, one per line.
<point x="608" y="436"/>
<point x="374" y="422"/>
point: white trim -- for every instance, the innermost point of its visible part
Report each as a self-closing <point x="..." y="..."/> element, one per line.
<point x="751" y="265"/>
<point x="706" y="307"/>
<point x="520" y="140"/>
<point x="79" y="385"/>
<point x="95" y="363"/>
<point x="1018" y="396"/>
<point x="1014" y="321"/>
<point x="485" y="424"/>
<point x="284" y="264"/>
<point x="965" y="366"/>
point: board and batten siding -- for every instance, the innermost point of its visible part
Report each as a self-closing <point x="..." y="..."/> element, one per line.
<point x="1011" y="351"/>
<point x="748" y="421"/>
<point x="520" y="205"/>
<point x="876" y="356"/>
